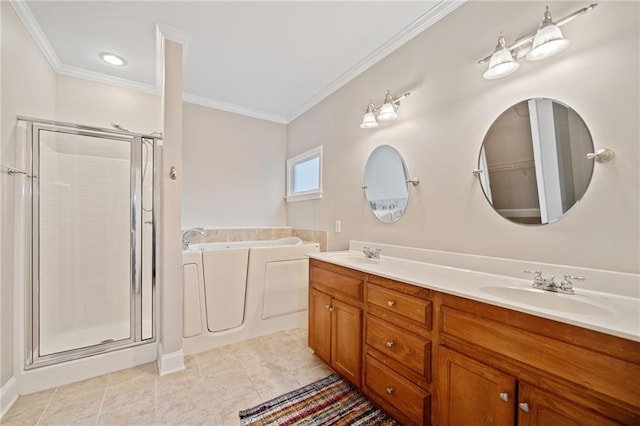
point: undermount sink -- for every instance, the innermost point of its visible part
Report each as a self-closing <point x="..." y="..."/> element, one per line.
<point x="354" y="258"/>
<point x="574" y="304"/>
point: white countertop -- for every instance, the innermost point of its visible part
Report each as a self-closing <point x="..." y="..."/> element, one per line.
<point x="607" y="313"/>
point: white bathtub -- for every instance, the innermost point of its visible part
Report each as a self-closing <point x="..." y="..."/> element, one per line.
<point x="288" y="241"/>
<point x="234" y="291"/>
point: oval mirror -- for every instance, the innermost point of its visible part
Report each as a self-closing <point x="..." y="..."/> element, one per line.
<point x="533" y="164"/>
<point x="385" y="184"/>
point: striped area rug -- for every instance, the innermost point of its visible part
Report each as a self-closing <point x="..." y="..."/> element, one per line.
<point x="330" y="401"/>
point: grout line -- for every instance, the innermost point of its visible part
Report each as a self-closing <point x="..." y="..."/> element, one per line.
<point x="47" y="405"/>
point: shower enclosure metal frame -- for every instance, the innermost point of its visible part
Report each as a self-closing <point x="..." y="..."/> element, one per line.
<point x="33" y="358"/>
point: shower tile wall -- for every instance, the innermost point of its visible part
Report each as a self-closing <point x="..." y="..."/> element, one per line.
<point x="84" y="237"/>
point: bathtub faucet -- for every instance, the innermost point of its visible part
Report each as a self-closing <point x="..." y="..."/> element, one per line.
<point x="187" y="234"/>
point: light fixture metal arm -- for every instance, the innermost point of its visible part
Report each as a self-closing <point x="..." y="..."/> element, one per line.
<point x="519" y="44"/>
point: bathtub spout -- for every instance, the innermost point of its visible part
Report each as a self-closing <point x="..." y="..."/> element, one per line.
<point x="187" y="234"/>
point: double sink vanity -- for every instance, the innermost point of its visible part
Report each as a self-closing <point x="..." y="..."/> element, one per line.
<point x="445" y="345"/>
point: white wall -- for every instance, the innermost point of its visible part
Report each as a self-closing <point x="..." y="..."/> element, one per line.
<point x="234" y="170"/>
<point x="96" y="104"/>
<point x="442" y="124"/>
<point x="28" y="88"/>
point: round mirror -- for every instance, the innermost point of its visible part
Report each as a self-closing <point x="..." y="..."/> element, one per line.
<point x="385" y="184"/>
<point x="533" y="164"/>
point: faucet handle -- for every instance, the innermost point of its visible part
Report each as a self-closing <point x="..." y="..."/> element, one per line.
<point x="566" y="286"/>
<point x="566" y="282"/>
<point x="569" y="277"/>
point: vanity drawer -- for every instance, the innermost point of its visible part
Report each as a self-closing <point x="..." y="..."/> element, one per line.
<point x="406" y="397"/>
<point x="337" y="281"/>
<point x="400" y="345"/>
<point x="413" y="308"/>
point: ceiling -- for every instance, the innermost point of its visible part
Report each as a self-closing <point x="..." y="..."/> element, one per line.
<point x="266" y="59"/>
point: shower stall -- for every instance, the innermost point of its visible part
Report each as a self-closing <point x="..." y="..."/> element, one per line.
<point x="91" y="202"/>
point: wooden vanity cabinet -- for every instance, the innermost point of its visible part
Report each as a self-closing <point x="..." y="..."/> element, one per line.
<point x="335" y="318"/>
<point x="427" y="357"/>
<point x="501" y="367"/>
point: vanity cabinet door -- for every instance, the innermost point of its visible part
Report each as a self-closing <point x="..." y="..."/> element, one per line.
<point x="473" y="393"/>
<point x="538" y="407"/>
<point x="320" y="324"/>
<point x="335" y="334"/>
<point x="346" y="338"/>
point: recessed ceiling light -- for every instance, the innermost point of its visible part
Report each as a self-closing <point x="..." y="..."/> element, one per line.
<point x="112" y="59"/>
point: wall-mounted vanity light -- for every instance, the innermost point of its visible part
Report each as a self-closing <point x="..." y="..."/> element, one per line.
<point x="387" y="111"/>
<point x="545" y="42"/>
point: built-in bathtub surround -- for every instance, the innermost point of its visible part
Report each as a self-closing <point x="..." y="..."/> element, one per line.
<point x="220" y="235"/>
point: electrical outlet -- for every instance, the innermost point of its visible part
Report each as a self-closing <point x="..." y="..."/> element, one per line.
<point x="338" y="226"/>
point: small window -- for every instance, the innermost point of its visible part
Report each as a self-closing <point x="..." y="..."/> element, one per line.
<point x="304" y="175"/>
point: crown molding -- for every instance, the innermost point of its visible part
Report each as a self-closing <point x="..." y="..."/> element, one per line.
<point x="174" y="34"/>
<point x="439" y="11"/>
<point x="97" y="77"/>
<point x="29" y="21"/>
<point x="210" y="103"/>
<point x="433" y="15"/>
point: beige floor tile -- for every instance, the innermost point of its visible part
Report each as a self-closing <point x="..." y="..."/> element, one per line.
<point x="175" y="381"/>
<point x="216" y="364"/>
<point x="214" y="387"/>
<point x="227" y="386"/>
<point x="188" y="406"/>
<point x="306" y="377"/>
<point x="80" y="389"/>
<point x="28" y="408"/>
<point x="275" y="389"/>
<point x="226" y="412"/>
<point x="191" y="362"/>
<point x="139" y="413"/>
<point x="72" y="409"/>
<point x="138" y="390"/>
<point x="24" y="416"/>
<point x="135" y="373"/>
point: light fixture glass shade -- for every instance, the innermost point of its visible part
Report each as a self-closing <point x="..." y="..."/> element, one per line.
<point x="501" y="63"/>
<point x="387" y="112"/>
<point x="369" y="121"/>
<point x="548" y="40"/>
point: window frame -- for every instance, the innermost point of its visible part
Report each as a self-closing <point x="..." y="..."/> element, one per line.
<point x="312" y="194"/>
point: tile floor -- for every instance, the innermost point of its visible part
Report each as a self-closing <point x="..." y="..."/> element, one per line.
<point x="214" y="387"/>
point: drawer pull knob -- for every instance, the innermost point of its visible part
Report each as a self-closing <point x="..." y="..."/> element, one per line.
<point x="329" y="308"/>
<point x="504" y="396"/>
<point x="389" y="391"/>
<point x="390" y="303"/>
<point x="391" y="344"/>
<point x="524" y="407"/>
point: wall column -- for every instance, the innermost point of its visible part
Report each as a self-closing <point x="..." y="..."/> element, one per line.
<point x="170" y="356"/>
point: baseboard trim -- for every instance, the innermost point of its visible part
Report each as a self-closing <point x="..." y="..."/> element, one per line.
<point x="170" y="363"/>
<point x="8" y="395"/>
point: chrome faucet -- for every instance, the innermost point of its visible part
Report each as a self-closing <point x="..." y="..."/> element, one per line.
<point x="549" y="284"/>
<point x="187" y="234"/>
<point x="371" y="254"/>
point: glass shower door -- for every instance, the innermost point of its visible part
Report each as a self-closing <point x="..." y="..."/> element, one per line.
<point x="87" y="238"/>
